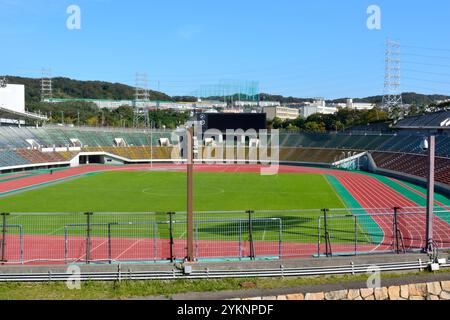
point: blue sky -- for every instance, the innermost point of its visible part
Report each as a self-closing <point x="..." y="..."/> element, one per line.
<point x="319" y="48"/>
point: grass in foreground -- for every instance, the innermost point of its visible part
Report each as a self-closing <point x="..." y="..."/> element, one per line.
<point x="133" y="289"/>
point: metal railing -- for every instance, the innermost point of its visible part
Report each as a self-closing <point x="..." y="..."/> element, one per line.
<point x="63" y="238"/>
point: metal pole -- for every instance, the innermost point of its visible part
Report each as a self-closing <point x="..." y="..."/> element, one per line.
<point x="430" y="194"/>
<point x="4" y="230"/>
<point x="327" y="235"/>
<point x="66" y="243"/>
<point x="109" y="244"/>
<point x="21" y="244"/>
<point x="240" y="239"/>
<point x="280" y="239"/>
<point x="356" y="236"/>
<point x="190" y="194"/>
<point x="318" y="236"/>
<point x="88" y="236"/>
<point x="171" y="234"/>
<point x="396" y="244"/>
<point x="250" y="235"/>
<point x="154" y="241"/>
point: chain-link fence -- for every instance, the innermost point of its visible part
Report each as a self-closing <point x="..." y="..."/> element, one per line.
<point x="63" y="238"/>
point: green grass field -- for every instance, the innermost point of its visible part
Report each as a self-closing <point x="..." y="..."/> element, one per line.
<point x="166" y="191"/>
<point x="138" y="192"/>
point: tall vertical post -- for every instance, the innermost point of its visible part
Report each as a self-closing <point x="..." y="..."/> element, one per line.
<point x="430" y="194"/>
<point x="4" y="230"/>
<point x="396" y="230"/>
<point x="171" y="241"/>
<point x="250" y="234"/>
<point x="328" y="251"/>
<point x="190" y="194"/>
<point x="88" y="236"/>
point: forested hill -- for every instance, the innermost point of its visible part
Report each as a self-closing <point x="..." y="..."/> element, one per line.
<point x="407" y="97"/>
<point x="69" y="88"/>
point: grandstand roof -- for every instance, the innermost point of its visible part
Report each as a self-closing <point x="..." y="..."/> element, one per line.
<point x="436" y="120"/>
<point x="17" y="115"/>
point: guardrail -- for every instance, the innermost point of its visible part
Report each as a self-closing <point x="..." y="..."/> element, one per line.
<point x="185" y="273"/>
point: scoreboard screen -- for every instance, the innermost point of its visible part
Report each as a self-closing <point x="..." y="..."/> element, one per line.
<point x="224" y="121"/>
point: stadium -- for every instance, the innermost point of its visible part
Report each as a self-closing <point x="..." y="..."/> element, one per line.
<point x="108" y="196"/>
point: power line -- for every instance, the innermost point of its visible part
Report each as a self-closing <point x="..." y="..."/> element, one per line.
<point x="427" y="64"/>
<point x="425" y="48"/>
<point x="425" y="56"/>
<point x="426" y="80"/>
<point x="427" y="72"/>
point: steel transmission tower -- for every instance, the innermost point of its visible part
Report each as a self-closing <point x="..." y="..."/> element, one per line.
<point x="141" y="89"/>
<point x="141" y="97"/>
<point x="46" y="85"/>
<point x="392" y="95"/>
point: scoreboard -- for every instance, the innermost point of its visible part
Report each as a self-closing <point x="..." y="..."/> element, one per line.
<point x="224" y="121"/>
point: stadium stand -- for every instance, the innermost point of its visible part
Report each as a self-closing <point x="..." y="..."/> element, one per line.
<point x="415" y="165"/>
<point x="440" y="119"/>
<point x="400" y="151"/>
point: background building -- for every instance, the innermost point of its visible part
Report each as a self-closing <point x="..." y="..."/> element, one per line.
<point x="283" y="113"/>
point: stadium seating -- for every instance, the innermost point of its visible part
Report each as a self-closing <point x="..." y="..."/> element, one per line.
<point x="400" y="152"/>
<point x="35" y="156"/>
<point x="416" y="165"/>
<point x="9" y="158"/>
<point x="435" y="119"/>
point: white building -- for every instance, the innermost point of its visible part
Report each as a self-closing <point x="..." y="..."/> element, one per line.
<point x="357" y="105"/>
<point x="283" y="113"/>
<point x="12" y="97"/>
<point x="318" y="106"/>
<point x="12" y="105"/>
<point x="114" y="104"/>
<point x="256" y="103"/>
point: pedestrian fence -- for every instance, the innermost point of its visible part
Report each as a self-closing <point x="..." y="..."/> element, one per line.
<point x="63" y="238"/>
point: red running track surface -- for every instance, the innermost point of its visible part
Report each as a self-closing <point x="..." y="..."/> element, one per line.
<point x="367" y="190"/>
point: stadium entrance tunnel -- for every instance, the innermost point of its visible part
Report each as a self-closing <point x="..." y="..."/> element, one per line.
<point x="89" y="159"/>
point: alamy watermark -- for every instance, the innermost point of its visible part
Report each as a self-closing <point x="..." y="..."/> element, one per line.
<point x="74" y="280"/>
<point x="374" y="19"/>
<point x="235" y="146"/>
<point x="374" y="280"/>
<point x="73" y="21"/>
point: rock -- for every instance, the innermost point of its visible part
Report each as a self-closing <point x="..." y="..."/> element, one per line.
<point x="366" y="292"/>
<point x="336" y="295"/>
<point x="247" y="284"/>
<point x="315" y="296"/>
<point x="394" y="292"/>
<point x="381" y="293"/>
<point x="269" y="298"/>
<point x="444" y="295"/>
<point x="358" y="298"/>
<point x="404" y="291"/>
<point x="432" y="297"/>
<point x="353" y="294"/>
<point x="295" y="296"/>
<point x="445" y="285"/>
<point x="281" y="298"/>
<point x="416" y="298"/>
<point x="434" y="288"/>
<point x="419" y="289"/>
<point x="369" y="298"/>
<point x="253" y="298"/>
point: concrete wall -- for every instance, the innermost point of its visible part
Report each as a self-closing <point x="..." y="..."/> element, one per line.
<point x="419" y="291"/>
